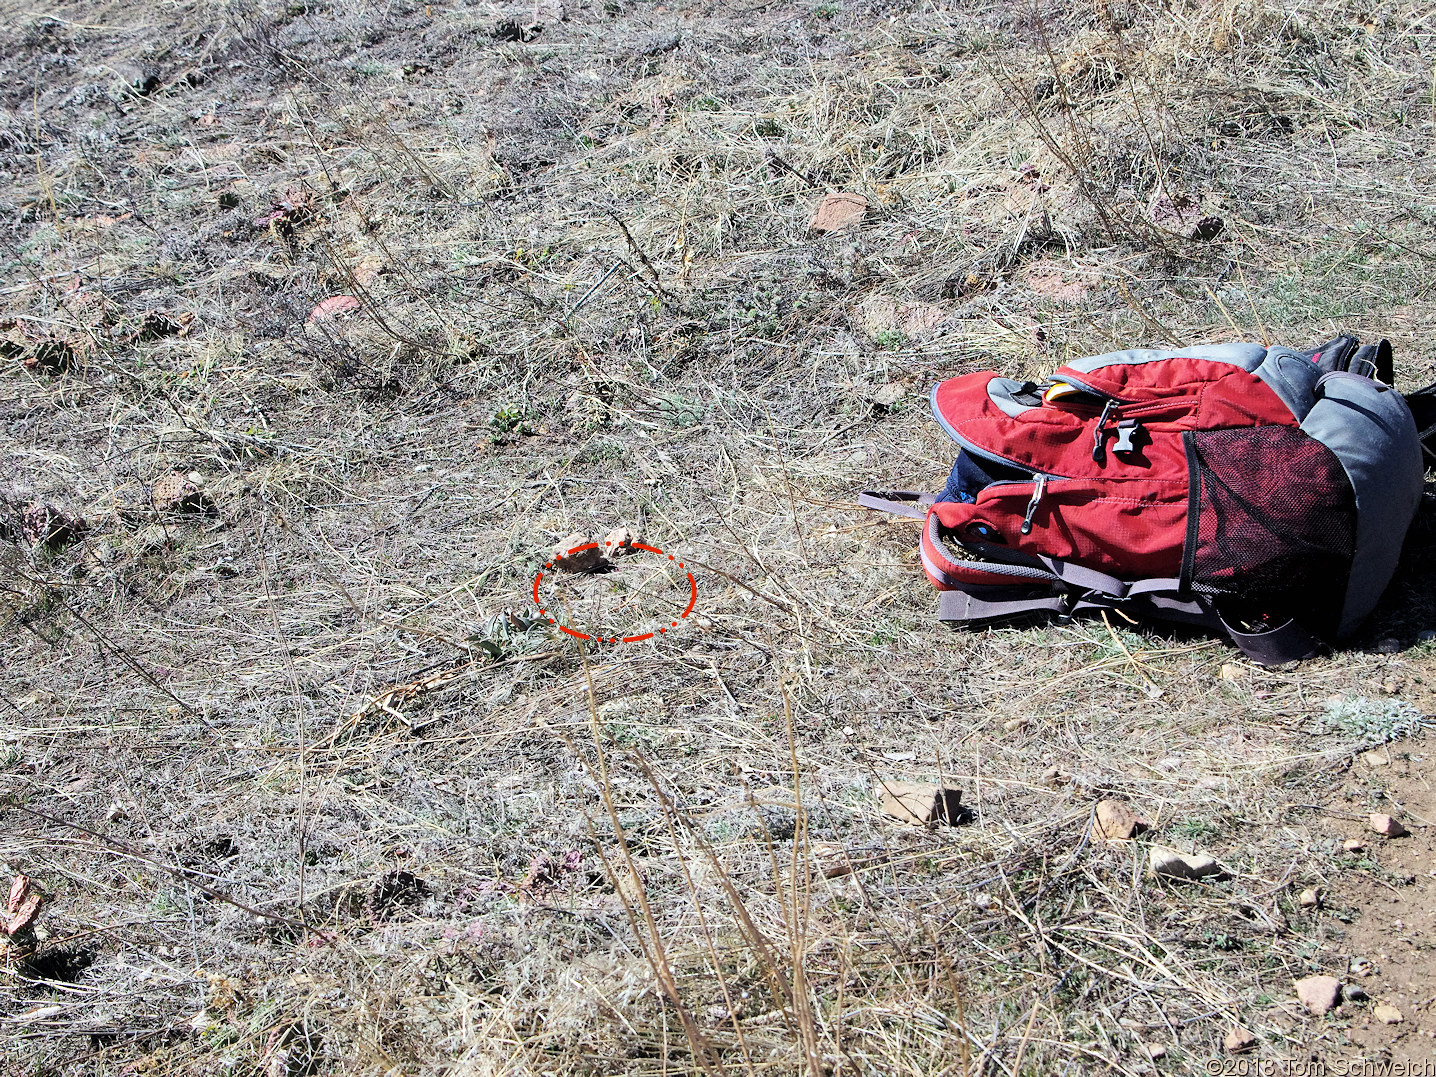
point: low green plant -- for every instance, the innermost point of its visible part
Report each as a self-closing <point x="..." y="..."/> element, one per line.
<point x="510" y="421"/>
<point x="1370" y="719"/>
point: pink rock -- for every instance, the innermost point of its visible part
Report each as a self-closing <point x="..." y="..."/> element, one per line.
<point x="838" y="210"/>
<point x="331" y="308"/>
<point x="1319" y="994"/>
<point x="1387" y="826"/>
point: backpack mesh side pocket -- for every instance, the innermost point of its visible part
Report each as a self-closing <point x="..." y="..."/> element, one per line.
<point x="1272" y="521"/>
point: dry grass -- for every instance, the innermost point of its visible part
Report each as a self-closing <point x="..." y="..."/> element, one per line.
<point x="300" y="797"/>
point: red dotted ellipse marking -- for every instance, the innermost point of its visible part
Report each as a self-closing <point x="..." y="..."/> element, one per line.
<point x="692" y="597"/>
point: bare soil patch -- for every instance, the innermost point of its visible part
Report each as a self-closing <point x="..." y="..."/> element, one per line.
<point x="1391" y="904"/>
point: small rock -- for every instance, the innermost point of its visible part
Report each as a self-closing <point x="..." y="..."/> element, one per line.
<point x="888" y="393"/>
<point x="1377" y="757"/>
<point x="1354" y="993"/>
<point x="629" y="885"/>
<point x="45" y="525"/>
<point x="368" y="270"/>
<point x="21" y="907"/>
<point x="1388" y="1014"/>
<point x="1231" y="672"/>
<point x="1353" y="845"/>
<point x="1309" y="899"/>
<point x="1426" y="635"/>
<point x="327" y="310"/>
<point x="831" y="859"/>
<point x="835" y="861"/>
<point x="132" y="76"/>
<point x="178" y="493"/>
<point x="1053" y="776"/>
<point x="1319" y="994"/>
<point x="1155" y="1050"/>
<point x="838" y="210"/>
<point x="619" y="543"/>
<point x="1175" y="865"/>
<point x="1012" y="725"/>
<point x="1116" y="820"/>
<point x="1387" y="826"/>
<point x="1238" y="1040"/>
<point x="116" y="813"/>
<point x="1390" y="645"/>
<point x="101" y="553"/>
<point x="1359" y="966"/>
<point x="921" y="802"/>
<point x="571" y="555"/>
<point x="1057" y="282"/>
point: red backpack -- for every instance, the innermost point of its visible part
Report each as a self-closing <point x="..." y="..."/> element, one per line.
<point x="1261" y="491"/>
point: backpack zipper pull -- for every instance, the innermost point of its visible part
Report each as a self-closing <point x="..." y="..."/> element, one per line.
<point x="1099" y="436"/>
<point x="1038" y="489"/>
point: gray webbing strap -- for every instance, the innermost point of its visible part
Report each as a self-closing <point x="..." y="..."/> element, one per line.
<point x="962" y="606"/>
<point x="909" y="503"/>
<point x="1160" y="596"/>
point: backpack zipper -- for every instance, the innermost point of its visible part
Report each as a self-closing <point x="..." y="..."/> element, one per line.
<point x="1039" y="487"/>
<point x="1099" y="433"/>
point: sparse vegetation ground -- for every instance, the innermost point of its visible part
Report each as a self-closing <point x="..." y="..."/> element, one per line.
<point x="304" y="790"/>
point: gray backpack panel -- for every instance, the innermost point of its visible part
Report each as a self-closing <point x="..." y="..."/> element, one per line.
<point x="1370" y="429"/>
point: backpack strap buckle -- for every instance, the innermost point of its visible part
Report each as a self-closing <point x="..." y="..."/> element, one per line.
<point x="1127" y="430"/>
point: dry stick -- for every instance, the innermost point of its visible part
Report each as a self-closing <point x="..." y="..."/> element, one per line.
<point x="1265" y="339"/>
<point x="178" y="873"/>
<point x="956" y="989"/>
<point x="1138" y="666"/>
<point x="129" y="661"/>
<point x="798" y="934"/>
<point x="788" y="990"/>
<point x="371" y="306"/>
<point x="1230" y="320"/>
<point x="1029" y="111"/>
<point x="1026" y="1035"/>
<point x="739" y="583"/>
<point x="773" y="158"/>
<point x="639" y="254"/>
<point x="697" y="1042"/>
<point x="434" y="681"/>
<point x="589" y="294"/>
<point x="757" y="941"/>
<point x="301" y="713"/>
<point x="666" y="804"/>
<point x="1152" y="322"/>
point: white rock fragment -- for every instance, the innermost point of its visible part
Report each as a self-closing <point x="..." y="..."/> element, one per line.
<point x="619" y="542"/>
<point x="1388" y="1014"/>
